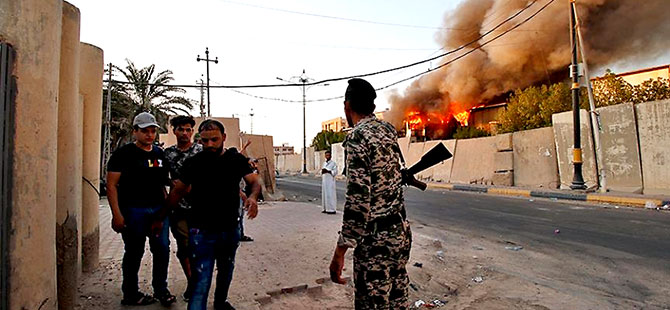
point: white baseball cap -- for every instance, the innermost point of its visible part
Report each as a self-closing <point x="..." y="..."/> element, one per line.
<point x="144" y="120"/>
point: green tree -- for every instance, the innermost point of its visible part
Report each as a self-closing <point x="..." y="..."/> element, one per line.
<point x="533" y="107"/>
<point x="470" y="132"/>
<point x="324" y="139"/>
<point x="651" y="90"/>
<point x="612" y="89"/>
<point x="147" y="91"/>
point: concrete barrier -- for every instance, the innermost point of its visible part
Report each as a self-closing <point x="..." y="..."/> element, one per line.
<point x="338" y="156"/>
<point x="414" y="152"/>
<point x="69" y="169"/>
<point x="621" y="155"/>
<point x="33" y="28"/>
<point x="426" y="175"/>
<point x="474" y="161"/>
<point x="289" y="163"/>
<point x="652" y="121"/>
<point x="442" y="171"/>
<point x="260" y="148"/>
<point x="90" y="87"/>
<point x="535" y="163"/>
<point x="319" y="160"/>
<point x="563" y="136"/>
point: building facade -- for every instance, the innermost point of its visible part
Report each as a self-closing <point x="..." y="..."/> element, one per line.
<point x="335" y="124"/>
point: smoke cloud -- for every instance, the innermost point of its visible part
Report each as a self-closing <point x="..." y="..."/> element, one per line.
<point x="615" y="31"/>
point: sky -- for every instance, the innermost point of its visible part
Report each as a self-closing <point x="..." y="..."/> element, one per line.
<point x="257" y="41"/>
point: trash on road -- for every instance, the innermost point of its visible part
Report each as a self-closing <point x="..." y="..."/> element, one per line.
<point x="478" y="279"/>
<point x="417" y="264"/>
<point x="666" y="207"/>
<point x="650" y="205"/>
<point x="440" y="255"/>
<point x="413" y="286"/>
<point x="514" y="248"/>
<point x="439" y="303"/>
<point x="557" y="231"/>
<point x="419" y="303"/>
<point x="478" y="248"/>
<point x="531" y="200"/>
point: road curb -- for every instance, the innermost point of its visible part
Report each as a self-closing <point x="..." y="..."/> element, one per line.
<point x="503" y="191"/>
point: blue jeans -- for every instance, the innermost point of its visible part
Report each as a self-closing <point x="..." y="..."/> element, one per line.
<point x="207" y="247"/>
<point x="138" y="228"/>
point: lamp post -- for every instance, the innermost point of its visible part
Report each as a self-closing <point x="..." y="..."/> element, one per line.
<point x="578" y="179"/>
<point x="207" y="61"/>
<point x="303" y="79"/>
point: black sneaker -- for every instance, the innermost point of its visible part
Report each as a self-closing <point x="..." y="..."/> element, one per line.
<point x="226" y="306"/>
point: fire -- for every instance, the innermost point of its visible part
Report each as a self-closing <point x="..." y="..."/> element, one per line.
<point x="415" y="120"/>
<point x="462" y="117"/>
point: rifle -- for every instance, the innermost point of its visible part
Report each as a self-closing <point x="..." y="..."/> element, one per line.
<point x="436" y="155"/>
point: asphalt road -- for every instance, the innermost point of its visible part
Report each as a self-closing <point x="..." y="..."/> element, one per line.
<point x="585" y="229"/>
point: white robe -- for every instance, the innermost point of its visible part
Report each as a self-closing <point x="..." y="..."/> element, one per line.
<point x="328" y="193"/>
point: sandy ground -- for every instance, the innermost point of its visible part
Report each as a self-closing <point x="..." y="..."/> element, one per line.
<point x="294" y="244"/>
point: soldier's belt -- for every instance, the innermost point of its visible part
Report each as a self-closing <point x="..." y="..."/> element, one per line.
<point x="384" y="223"/>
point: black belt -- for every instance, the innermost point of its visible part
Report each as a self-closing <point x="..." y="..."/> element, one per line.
<point x="383" y="223"/>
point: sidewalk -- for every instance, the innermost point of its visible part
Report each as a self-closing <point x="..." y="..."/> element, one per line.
<point x="286" y="266"/>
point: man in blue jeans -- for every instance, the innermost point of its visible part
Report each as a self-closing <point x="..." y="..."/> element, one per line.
<point x="137" y="174"/>
<point x="214" y="176"/>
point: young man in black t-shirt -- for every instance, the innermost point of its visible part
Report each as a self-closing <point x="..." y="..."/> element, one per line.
<point x="137" y="174"/>
<point x="214" y="176"/>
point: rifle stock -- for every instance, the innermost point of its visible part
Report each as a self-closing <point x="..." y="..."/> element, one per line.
<point x="436" y="155"/>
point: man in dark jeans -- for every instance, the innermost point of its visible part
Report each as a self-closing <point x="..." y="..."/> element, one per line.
<point x="137" y="174"/>
<point x="214" y="176"/>
<point x="182" y="127"/>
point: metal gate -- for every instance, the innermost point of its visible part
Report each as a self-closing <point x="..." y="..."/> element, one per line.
<point x="7" y="95"/>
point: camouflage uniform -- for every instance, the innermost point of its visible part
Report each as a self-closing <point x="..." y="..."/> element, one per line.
<point x="374" y="216"/>
<point x="178" y="217"/>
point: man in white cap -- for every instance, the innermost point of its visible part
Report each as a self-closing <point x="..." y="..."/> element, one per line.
<point x="137" y="174"/>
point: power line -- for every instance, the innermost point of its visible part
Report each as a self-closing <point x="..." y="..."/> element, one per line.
<point x="343" y="18"/>
<point x="372" y="73"/>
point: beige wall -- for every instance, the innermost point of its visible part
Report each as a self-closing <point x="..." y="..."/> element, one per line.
<point x="621" y="153"/>
<point x="563" y="136"/>
<point x="69" y="169"/>
<point x="90" y="86"/>
<point x="33" y="28"/>
<point x="535" y="163"/>
<point x="261" y="148"/>
<point x="338" y="156"/>
<point x="474" y="161"/>
<point x="289" y="163"/>
<point x="652" y="120"/>
<point x="639" y="78"/>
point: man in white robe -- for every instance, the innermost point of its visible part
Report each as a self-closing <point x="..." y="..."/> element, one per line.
<point x="328" y="193"/>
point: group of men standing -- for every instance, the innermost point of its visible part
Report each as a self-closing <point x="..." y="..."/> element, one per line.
<point x="207" y="225"/>
<point x="204" y="208"/>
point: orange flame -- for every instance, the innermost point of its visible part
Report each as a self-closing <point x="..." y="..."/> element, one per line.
<point x="415" y="120"/>
<point x="462" y="117"/>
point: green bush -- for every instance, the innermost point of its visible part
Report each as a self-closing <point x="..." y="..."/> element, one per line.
<point x="470" y="132"/>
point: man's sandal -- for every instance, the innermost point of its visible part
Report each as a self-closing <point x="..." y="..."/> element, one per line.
<point x="140" y="299"/>
<point x="166" y="299"/>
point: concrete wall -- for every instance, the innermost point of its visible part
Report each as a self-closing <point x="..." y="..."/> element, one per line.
<point x="338" y="157"/>
<point x="33" y="28"/>
<point x="261" y="149"/>
<point x="310" y="159"/>
<point x="563" y="136"/>
<point x="652" y="120"/>
<point x="442" y="171"/>
<point x="69" y="173"/>
<point x="319" y="160"/>
<point x="289" y="163"/>
<point x="621" y="155"/>
<point x="90" y="87"/>
<point x="535" y="163"/>
<point x="474" y="161"/>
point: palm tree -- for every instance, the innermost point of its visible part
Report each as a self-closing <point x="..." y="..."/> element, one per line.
<point x="148" y="91"/>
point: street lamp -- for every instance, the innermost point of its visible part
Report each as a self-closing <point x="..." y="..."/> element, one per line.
<point x="303" y="79"/>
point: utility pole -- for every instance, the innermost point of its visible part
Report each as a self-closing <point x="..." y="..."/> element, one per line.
<point x="107" y="150"/>
<point x="595" y="117"/>
<point x="578" y="179"/>
<point x="251" y="115"/>
<point x="201" y="83"/>
<point x="207" y="61"/>
<point x="303" y="79"/>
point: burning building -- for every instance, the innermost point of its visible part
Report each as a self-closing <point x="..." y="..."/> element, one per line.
<point x="615" y="31"/>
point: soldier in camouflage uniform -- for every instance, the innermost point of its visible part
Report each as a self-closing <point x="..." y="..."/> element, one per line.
<point x="374" y="221"/>
<point x="182" y="127"/>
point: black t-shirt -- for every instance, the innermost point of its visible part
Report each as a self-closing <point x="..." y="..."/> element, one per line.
<point x="215" y="188"/>
<point x="144" y="175"/>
